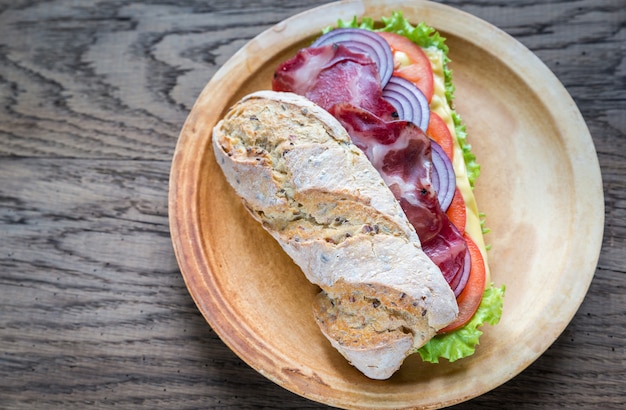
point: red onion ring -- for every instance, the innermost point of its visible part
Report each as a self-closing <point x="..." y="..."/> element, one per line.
<point x="443" y="178"/>
<point x="460" y="279"/>
<point x="366" y="42"/>
<point x="408" y="100"/>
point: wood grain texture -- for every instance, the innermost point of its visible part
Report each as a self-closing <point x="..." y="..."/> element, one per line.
<point x="93" y="309"/>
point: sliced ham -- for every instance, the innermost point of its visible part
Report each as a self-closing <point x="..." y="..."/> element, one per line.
<point x="400" y="151"/>
<point x="333" y="74"/>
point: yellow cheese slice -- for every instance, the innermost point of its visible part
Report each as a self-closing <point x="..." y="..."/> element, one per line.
<point x="439" y="105"/>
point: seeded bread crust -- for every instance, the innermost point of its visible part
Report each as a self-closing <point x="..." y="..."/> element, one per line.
<point x="316" y="193"/>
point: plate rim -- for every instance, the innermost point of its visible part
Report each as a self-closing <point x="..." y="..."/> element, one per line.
<point x="187" y="240"/>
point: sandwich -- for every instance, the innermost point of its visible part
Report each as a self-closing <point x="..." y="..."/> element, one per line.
<point x="357" y="164"/>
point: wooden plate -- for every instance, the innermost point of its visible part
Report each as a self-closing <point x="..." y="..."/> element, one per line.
<point x="540" y="188"/>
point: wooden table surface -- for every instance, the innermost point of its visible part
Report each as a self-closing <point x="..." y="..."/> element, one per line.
<point x="93" y="308"/>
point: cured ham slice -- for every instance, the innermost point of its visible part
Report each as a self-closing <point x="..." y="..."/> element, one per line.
<point x="333" y="74"/>
<point x="448" y="251"/>
<point x="400" y="151"/>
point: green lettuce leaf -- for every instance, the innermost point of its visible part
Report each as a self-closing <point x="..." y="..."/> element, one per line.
<point x="462" y="342"/>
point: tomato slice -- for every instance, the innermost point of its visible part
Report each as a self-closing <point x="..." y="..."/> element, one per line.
<point x="440" y="133"/>
<point x="411" y="63"/>
<point x="472" y="295"/>
<point x="457" y="211"/>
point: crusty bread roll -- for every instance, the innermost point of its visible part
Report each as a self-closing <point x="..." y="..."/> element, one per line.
<point x="317" y="194"/>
